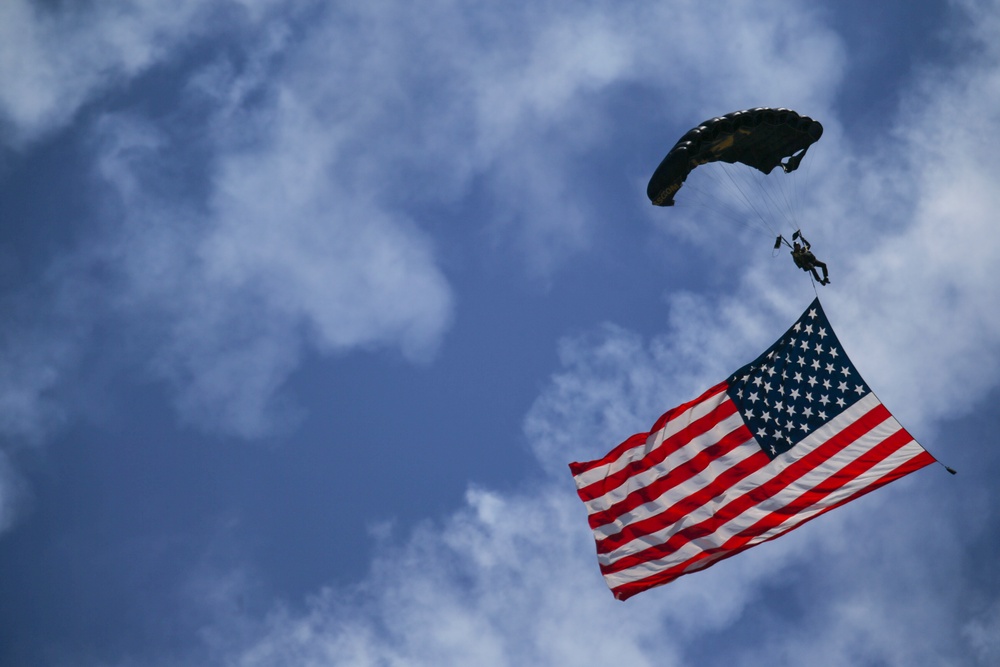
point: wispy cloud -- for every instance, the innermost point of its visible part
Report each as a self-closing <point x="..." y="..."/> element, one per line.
<point x="273" y="210"/>
<point x="55" y="60"/>
<point x="278" y="258"/>
<point x="521" y="565"/>
<point x="318" y="151"/>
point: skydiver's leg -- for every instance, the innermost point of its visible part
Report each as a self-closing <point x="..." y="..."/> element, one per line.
<point x="816" y="275"/>
<point x="822" y="265"/>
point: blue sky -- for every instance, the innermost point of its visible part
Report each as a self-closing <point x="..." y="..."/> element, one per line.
<point x="306" y="306"/>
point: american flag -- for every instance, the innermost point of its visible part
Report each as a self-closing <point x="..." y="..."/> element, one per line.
<point x="791" y="435"/>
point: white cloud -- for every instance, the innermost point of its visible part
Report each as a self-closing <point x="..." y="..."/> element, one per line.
<point x="512" y="578"/>
<point x="511" y="102"/>
<point x="906" y="222"/>
<point x="521" y="566"/>
<point x="301" y="241"/>
<point x="983" y="632"/>
<point x="506" y="580"/>
<point x="29" y="372"/>
<point x="54" y="61"/>
<point x="360" y="274"/>
<point x="920" y="294"/>
<point x="541" y="115"/>
<point x="283" y="258"/>
<point x="283" y="224"/>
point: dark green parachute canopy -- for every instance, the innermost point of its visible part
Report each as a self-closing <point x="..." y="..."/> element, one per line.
<point x="760" y="138"/>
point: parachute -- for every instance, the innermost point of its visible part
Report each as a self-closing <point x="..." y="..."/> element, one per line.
<point x="760" y="138"/>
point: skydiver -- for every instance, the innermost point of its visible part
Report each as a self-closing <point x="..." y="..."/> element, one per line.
<point x="805" y="260"/>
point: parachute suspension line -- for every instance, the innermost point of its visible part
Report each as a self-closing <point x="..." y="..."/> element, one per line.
<point x="768" y="196"/>
<point x="767" y="204"/>
<point x="798" y="181"/>
<point x="748" y="200"/>
<point x="774" y="190"/>
<point x="793" y="199"/>
<point x="788" y="192"/>
<point x="729" y="196"/>
<point x="797" y="196"/>
<point x="727" y="211"/>
<point x="703" y="201"/>
<point x="710" y="201"/>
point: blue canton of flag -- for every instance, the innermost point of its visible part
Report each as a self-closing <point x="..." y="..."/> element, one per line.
<point x="797" y="385"/>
